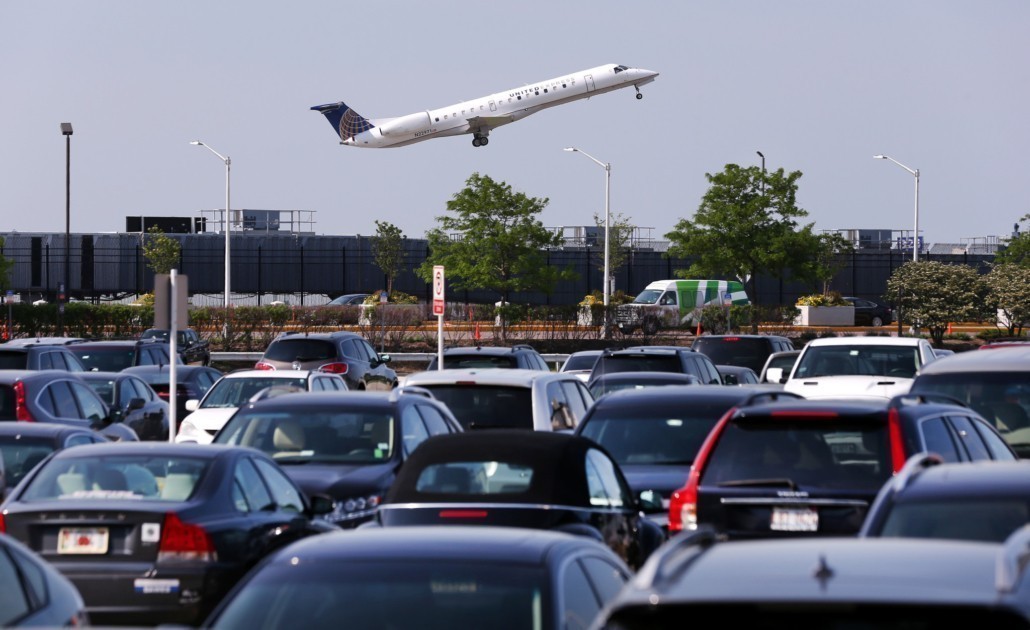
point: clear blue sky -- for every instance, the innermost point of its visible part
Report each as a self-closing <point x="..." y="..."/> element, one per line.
<point x="817" y="86"/>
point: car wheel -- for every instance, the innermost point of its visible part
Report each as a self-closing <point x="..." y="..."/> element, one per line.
<point x="650" y="326"/>
<point x="877" y="322"/>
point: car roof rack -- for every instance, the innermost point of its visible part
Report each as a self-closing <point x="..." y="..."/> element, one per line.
<point x="681" y="551"/>
<point x="925" y="398"/>
<point x="773" y="395"/>
<point x="913" y="466"/>
<point x="411" y="390"/>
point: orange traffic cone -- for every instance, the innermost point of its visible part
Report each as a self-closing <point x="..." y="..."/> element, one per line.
<point x="949" y="328"/>
<point x="698" y="333"/>
<point x="476" y="335"/>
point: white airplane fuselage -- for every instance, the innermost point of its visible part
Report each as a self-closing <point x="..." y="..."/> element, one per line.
<point x="479" y="116"/>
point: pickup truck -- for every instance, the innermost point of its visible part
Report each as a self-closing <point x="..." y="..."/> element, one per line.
<point x="192" y="349"/>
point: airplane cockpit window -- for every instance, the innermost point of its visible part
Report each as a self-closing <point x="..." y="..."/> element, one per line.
<point x="619" y="69"/>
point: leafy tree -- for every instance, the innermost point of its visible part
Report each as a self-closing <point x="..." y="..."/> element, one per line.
<point x="6" y="265"/>
<point x="1009" y="285"/>
<point x="619" y="232"/>
<point x="747" y="224"/>
<point x="498" y="243"/>
<point x="934" y="294"/>
<point x="1017" y="249"/>
<point x="388" y="251"/>
<point x="160" y="251"/>
<point x="831" y="256"/>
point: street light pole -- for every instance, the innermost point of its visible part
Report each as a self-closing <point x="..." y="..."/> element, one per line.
<point x="607" y="218"/>
<point x="66" y="131"/>
<point x="915" y="173"/>
<point x="228" y="221"/>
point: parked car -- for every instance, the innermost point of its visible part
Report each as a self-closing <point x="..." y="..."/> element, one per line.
<point x="513" y="399"/>
<point x="452" y="577"/>
<point x="858" y="368"/>
<point x="657" y="359"/>
<point x="984" y="501"/>
<point x="618" y="381"/>
<point x="996" y="384"/>
<point x="23" y="445"/>
<point x="191" y="381"/>
<point x="343" y="353"/>
<point x="132" y="402"/>
<point x="750" y="351"/>
<point x="532" y="479"/>
<point x="60" y="397"/>
<point x="114" y="356"/>
<point x="521" y="356"/>
<point x="827" y="583"/>
<point x="157" y="533"/>
<point x="871" y="312"/>
<point x="209" y="414"/>
<point x="580" y="363"/>
<point x="40" y="353"/>
<point x="778" y="366"/>
<point x="188" y="343"/>
<point x="349" y="299"/>
<point x="655" y="434"/>
<point x="737" y="375"/>
<point x="34" y="593"/>
<point x="797" y="468"/>
<point x="347" y="446"/>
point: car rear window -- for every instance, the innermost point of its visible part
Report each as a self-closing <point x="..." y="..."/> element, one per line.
<point x="949" y="519"/>
<point x="7" y="403"/>
<point x="474" y="478"/>
<point x="301" y="350"/>
<point x="646" y="434"/>
<point x="106" y="359"/>
<point x="13" y="360"/>
<point x="20" y="455"/>
<point x="116" y="478"/>
<point x="306" y="435"/>
<point x="487" y="406"/>
<point x="832" y="453"/>
<point x="743" y="351"/>
<point x="480" y="361"/>
<point x="638" y="363"/>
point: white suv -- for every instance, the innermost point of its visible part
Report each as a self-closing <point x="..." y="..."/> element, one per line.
<point x="858" y="368"/>
<point x="508" y="399"/>
<point x="231" y="391"/>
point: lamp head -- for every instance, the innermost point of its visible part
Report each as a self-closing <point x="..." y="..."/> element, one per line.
<point x="760" y="154"/>
<point x="570" y="149"/>
<point x="66" y="129"/>
<point x="879" y="157"/>
<point x="196" y="143"/>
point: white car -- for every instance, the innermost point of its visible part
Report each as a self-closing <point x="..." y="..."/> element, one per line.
<point x="508" y="399"/>
<point x="858" y="368"/>
<point x="209" y="414"/>
<point x="580" y="363"/>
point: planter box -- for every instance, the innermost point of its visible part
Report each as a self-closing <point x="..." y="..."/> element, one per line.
<point x="825" y="316"/>
<point x="590" y="316"/>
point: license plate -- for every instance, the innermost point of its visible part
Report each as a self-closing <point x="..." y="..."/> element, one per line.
<point x="82" y="540"/>
<point x="794" y="520"/>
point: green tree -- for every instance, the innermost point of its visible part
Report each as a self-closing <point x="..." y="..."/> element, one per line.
<point x="934" y="294"/>
<point x="6" y="265"/>
<point x="1009" y="286"/>
<point x="491" y="239"/>
<point x="388" y="251"/>
<point x="831" y="256"/>
<point x="746" y="224"/>
<point x="620" y="230"/>
<point x="1017" y="249"/>
<point x="160" y="251"/>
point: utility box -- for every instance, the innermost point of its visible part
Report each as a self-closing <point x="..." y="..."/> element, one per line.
<point x="163" y="301"/>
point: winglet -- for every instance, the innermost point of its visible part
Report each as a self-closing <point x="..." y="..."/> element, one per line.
<point x="347" y="122"/>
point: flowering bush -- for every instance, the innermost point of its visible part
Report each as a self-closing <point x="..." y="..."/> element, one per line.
<point x="832" y="298"/>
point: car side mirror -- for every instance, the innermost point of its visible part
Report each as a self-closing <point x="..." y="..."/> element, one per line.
<point x="650" y="501"/>
<point x="321" y="504"/>
<point x="384" y="358"/>
<point x="192" y="404"/>
<point x="774" y="375"/>
<point x="135" y="403"/>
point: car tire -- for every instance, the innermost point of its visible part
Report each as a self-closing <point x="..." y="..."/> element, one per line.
<point x="650" y="326"/>
<point x="876" y="321"/>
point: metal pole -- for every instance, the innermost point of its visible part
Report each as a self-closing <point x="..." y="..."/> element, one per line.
<point x="228" y="232"/>
<point x="915" y="237"/>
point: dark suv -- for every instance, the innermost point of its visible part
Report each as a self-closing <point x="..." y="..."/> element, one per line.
<point x="813" y="468"/>
<point x="343" y="353"/>
<point x="519" y="356"/>
<point x="188" y="344"/>
<point x="657" y="359"/>
<point x="115" y="356"/>
<point x="749" y="351"/>
<point x="40" y="353"/>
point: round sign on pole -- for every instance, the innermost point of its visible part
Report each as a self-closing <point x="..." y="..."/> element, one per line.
<point x="438" y="291"/>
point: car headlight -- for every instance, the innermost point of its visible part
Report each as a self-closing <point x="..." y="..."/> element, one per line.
<point x="188" y="430"/>
<point x="354" y="507"/>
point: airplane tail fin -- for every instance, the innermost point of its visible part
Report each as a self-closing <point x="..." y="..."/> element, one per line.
<point x="347" y="122"/>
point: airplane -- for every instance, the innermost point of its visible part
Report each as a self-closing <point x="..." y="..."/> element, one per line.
<point x="480" y="116"/>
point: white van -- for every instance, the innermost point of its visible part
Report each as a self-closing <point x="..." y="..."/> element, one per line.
<point x="676" y="303"/>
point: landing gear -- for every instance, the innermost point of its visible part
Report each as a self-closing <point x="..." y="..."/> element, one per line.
<point x="639" y="95"/>
<point x="480" y="140"/>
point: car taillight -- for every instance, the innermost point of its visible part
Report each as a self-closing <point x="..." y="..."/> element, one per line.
<point x="683" y="503"/>
<point x="334" y="368"/>
<point x="184" y="541"/>
<point x="3" y="523"/>
<point x="21" y="409"/>
<point x="894" y="435"/>
<point x="463" y="513"/>
<point x="261" y="365"/>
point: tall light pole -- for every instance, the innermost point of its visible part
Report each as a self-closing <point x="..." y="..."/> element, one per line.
<point x="915" y="173"/>
<point x="66" y="131"/>
<point x="228" y="220"/>
<point x="607" y="218"/>
<point x="763" y="170"/>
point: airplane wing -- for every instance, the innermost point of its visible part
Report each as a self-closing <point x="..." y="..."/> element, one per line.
<point x="482" y="124"/>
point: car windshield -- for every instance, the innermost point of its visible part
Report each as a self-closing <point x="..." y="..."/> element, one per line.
<point x="743" y="351"/>
<point x="20" y="454"/>
<point x="393" y="593"/>
<point x="801" y="453"/>
<point x="487" y="406"/>
<point x="650" y="434"/>
<point x="579" y="362"/>
<point x="233" y="392"/>
<point x="647" y="296"/>
<point x="868" y="360"/>
<point x="950" y="518"/>
<point x="117" y="477"/>
<point x="307" y="435"/>
<point x="106" y="359"/>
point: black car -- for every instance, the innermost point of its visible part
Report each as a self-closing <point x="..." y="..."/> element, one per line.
<point x="737" y="375"/>
<point x="23" y="445"/>
<point x="40" y="353"/>
<point x="114" y="356"/>
<point x="157" y="533"/>
<point x="433" y="578"/>
<point x="533" y="479"/>
<point x="59" y="397"/>
<point x="892" y="583"/>
<point x="870" y="312"/>
<point x="34" y="593"/>
<point x="813" y="468"/>
<point x="655" y="434"/>
<point x="341" y="352"/>
<point x="657" y="359"/>
<point x="191" y="382"/>
<point x="132" y="402"/>
<point x="520" y="356"/>
<point x="346" y="445"/>
<point x="617" y="381"/>
<point x="191" y="347"/>
<point x="349" y="299"/>
<point x="749" y="351"/>
<point x="985" y="501"/>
